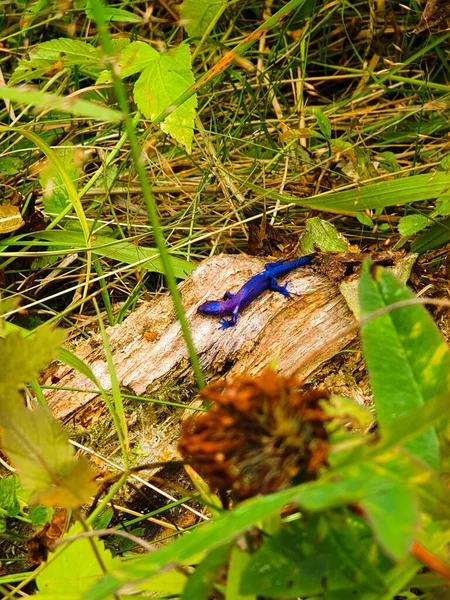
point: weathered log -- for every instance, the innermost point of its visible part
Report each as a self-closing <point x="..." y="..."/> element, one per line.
<point x="150" y="356"/>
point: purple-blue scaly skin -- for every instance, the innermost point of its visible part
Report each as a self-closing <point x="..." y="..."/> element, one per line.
<point x="266" y="280"/>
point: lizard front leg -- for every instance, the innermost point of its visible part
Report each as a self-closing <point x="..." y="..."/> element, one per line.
<point x="225" y="323"/>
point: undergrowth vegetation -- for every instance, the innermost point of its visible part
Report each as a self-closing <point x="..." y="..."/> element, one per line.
<point x="137" y="139"/>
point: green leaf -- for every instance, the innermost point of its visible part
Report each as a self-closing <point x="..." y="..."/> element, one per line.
<point x="10" y="165"/>
<point x="56" y="196"/>
<point x="322" y="121"/>
<point x="388" y="160"/>
<point x="407" y="358"/>
<point x="197" y="15"/>
<point x="114" y="14"/>
<point x="73" y="106"/>
<point x="103" y="520"/>
<point x="394" y="517"/>
<point x="8" y="495"/>
<point x="412" y="224"/>
<point x="160" y="84"/>
<point x="307" y="557"/>
<point x="136" y="57"/>
<point x="118" y="250"/>
<point x="323" y="235"/>
<point x="70" y="51"/>
<point x="443" y="205"/>
<point x="39" y="515"/>
<point x="200" y="583"/>
<point x="75" y="567"/>
<point x="60" y="53"/>
<point x="445" y="163"/>
<point x="364" y="219"/>
<point x="23" y="358"/>
<point x="435" y="237"/>
<point x="236" y="568"/>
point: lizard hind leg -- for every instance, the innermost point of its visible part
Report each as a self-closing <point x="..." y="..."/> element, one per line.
<point x="282" y="289"/>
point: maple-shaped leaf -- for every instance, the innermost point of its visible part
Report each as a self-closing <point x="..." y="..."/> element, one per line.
<point x="161" y="82"/>
<point x="39" y="449"/>
<point x="23" y="358"/>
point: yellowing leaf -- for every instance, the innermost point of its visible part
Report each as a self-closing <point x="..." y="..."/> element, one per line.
<point x="38" y="448"/>
<point x="160" y="84"/>
<point x="23" y="358"/>
<point x="10" y="218"/>
<point x="71" y="491"/>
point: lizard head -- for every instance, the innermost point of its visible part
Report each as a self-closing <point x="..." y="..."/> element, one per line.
<point x="212" y="307"/>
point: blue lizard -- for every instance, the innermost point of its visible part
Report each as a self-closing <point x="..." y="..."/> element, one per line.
<point x="266" y="280"/>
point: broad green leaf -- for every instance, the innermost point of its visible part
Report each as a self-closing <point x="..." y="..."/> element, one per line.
<point x="9" y="165"/>
<point x="10" y="218"/>
<point x="60" y="53"/>
<point x="443" y="205"/>
<point x="136" y="57"/>
<point x="23" y="358"/>
<point x="39" y="449"/>
<point x="118" y="250"/>
<point x="323" y="235"/>
<point x="373" y="196"/>
<point x="160" y="84"/>
<point x="435" y="237"/>
<point x="394" y="516"/>
<point x="197" y="15"/>
<point x="103" y="520"/>
<point x="445" y="163"/>
<point x="39" y="515"/>
<point x="388" y="160"/>
<point x="72" y="106"/>
<point x="407" y="358"/>
<point x="55" y="195"/>
<point x="412" y="224"/>
<point x="75" y="567"/>
<point x="236" y="568"/>
<point x="201" y="581"/>
<point x="308" y="557"/>
<point x="8" y="496"/>
<point x="70" y="51"/>
<point x="114" y="14"/>
<point x="364" y="219"/>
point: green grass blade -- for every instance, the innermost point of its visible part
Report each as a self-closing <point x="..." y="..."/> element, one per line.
<point x="406" y="190"/>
